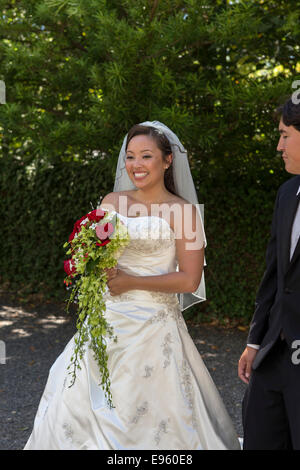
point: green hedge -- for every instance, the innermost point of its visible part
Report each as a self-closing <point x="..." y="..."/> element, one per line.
<point x="212" y="71"/>
<point x="39" y="210"/>
<point x="237" y="221"/>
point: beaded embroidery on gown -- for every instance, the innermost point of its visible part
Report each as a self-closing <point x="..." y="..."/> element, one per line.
<point x="163" y="395"/>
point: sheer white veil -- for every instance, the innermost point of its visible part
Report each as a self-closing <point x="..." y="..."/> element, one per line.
<point x="184" y="188"/>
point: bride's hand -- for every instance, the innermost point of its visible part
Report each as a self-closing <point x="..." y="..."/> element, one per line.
<point x="118" y="281"/>
<point x="111" y="273"/>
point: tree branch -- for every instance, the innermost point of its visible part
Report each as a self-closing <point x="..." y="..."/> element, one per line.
<point x="153" y="11"/>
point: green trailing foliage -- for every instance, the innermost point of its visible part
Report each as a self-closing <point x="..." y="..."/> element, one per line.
<point x="89" y="288"/>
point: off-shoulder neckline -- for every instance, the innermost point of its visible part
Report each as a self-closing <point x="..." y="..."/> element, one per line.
<point x="143" y="217"/>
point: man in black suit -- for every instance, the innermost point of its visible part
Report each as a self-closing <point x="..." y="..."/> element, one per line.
<point x="270" y="364"/>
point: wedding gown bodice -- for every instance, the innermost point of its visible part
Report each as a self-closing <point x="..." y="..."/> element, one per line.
<point x="151" y="251"/>
<point x="163" y="395"/>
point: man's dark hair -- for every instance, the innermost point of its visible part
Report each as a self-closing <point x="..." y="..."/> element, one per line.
<point x="290" y="113"/>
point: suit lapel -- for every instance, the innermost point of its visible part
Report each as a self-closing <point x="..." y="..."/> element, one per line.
<point x="297" y="249"/>
<point x="289" y="204"/>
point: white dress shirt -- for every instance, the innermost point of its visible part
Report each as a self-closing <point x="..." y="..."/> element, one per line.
<point x="294" y="240"/>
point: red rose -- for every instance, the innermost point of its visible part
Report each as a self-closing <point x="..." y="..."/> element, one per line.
<point x="93" y="216"/>
<point x="104" y="231"/>
<point x="79" y="223"/>
<point x="69" y="266"/>
<point x="77" y="227"/>
<point x="96" y="215"/>
<point x="72" y="235"/>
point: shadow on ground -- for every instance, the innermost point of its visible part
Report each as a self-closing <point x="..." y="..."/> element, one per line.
<point x="35" y="335"/>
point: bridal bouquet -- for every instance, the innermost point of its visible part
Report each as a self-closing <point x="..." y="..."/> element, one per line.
<point x="97" y="241"/>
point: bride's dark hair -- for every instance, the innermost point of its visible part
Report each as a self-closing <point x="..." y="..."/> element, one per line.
<point x="162" y="143"/>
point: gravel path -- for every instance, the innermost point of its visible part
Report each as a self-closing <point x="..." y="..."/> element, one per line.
<point x="35" y="335"/>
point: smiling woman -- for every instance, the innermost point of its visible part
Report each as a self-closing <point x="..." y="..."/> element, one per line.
<point x="148" y="152"/>
<point x="154" y="351"/>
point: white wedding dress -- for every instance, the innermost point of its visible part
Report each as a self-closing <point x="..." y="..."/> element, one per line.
<point x="163" y="395"/>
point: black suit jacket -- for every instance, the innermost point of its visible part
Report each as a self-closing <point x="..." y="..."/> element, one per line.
<point x="277" y="304"/>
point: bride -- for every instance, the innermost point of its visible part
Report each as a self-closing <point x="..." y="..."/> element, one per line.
<point x="163" y="395"/>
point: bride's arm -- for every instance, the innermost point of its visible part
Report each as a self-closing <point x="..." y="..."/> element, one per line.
<point x="177" y="282"/>
<point x="190" y="255"/>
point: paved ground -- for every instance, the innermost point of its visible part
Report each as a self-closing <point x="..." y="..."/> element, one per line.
<point x="35" y="335"/>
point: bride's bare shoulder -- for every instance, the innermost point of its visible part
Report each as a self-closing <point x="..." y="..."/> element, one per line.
<point x="111" y="200"/>
<point x="176" y="200"/>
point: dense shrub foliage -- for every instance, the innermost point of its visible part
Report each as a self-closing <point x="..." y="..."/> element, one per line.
<point x="78" y="74"/>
